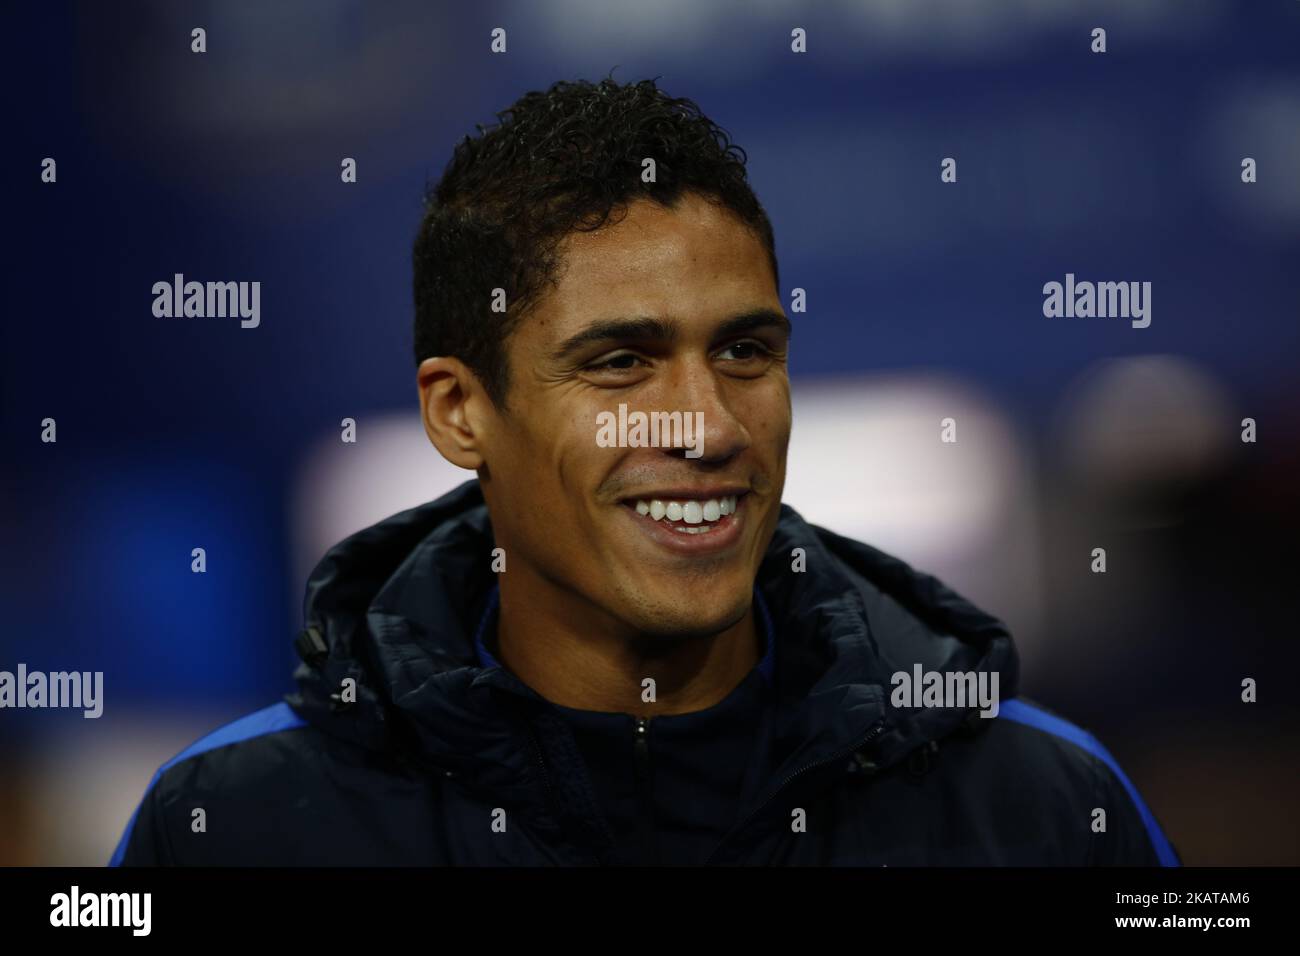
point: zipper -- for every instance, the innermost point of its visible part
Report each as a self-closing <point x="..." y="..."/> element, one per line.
<point x="641" y="749"/>
<point x="541" y="764"/>
<point x="876" y="730"/>
<point x="642" y="746"/>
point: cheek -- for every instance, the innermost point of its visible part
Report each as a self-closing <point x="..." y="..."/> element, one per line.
<point x="525" y="464"/>
<point x="771" y="440"/>
<point x="770" y="414"/>
<point x="574" y="462"/>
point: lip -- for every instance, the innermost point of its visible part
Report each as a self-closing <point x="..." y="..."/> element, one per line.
<point x="725" y="534"/>
<point x="681" y="493"/>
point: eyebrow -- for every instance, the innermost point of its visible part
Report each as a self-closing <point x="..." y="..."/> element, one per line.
<point x="647" y="329"/>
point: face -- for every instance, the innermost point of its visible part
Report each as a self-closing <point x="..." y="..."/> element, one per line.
<point x="663" y="311"/>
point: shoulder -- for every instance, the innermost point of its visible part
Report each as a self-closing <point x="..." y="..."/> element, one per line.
<point x="1061" y="762"/>
<point x="238" y="752"/>
<point x="265" y="759"/>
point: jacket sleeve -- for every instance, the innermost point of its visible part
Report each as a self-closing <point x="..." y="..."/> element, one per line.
<point x="144" y="843"/>
<point x="1132" y="836"/>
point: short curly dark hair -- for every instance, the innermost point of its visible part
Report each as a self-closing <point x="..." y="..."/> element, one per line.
<point x="559" y="161"/>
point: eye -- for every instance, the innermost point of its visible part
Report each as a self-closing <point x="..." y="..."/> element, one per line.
<point x="746" y="350"/>
<point x="622" y="362"/>
<point x="618" y="370"/>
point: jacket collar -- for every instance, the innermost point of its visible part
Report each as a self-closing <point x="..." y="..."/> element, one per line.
<point x="398" y="603"/>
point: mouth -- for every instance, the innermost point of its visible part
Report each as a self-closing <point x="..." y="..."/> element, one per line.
<point x="698" y="523"/>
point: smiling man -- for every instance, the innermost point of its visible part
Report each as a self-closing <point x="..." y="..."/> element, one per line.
<point x="628" y="652"/>
<point x="615" y="574"/>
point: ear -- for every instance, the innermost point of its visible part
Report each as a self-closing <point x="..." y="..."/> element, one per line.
<point x="452" y="405"/>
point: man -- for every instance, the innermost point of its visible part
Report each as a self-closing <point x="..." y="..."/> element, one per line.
<point x="628" y="651"/>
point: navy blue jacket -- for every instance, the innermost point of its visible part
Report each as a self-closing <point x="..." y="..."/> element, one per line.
<point x="447" y="758"/>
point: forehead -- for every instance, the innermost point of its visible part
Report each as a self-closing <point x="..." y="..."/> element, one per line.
<point x="692" y="263"/>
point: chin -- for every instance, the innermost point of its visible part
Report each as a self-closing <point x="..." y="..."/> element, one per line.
<point x="671" y="619"/>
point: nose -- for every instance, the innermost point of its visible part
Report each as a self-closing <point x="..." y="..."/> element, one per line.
<point x="717" y="434"/>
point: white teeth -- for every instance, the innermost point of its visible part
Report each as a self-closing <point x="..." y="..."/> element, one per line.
<point x="702" y="529"/>
<point x="693" y="511"/>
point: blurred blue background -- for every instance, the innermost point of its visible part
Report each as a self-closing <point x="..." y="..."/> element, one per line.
<point x="924" y="299"/>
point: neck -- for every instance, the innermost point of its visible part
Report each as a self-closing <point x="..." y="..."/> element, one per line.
<point x="576" y="655"/>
